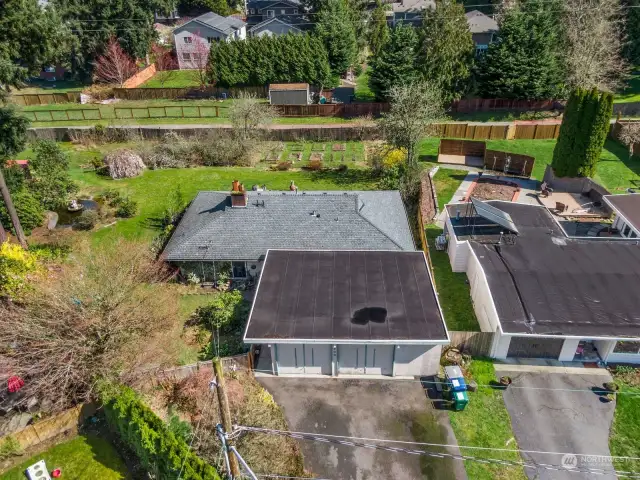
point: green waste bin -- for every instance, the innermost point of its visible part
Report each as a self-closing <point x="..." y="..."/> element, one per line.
<point x="460" y="400"/>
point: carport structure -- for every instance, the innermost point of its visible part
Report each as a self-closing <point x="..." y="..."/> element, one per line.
<point x="347" y="313"/>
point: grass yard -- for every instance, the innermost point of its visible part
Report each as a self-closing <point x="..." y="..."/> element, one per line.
<point x="453" y="289"/>
<point x="151" y="190"/>
<point x="624" y="436"/>
<point x="486" y="423"/>
<point x="363" y="92"/>
<point x="147" y="112"/>
<point x="331" y="154"/>
<point x="42" y="86"/>
<point x="447" y="181"/>
<point x="82" y="458"/>
<point x="631" y="93"/>
<point x="173" y="79"/>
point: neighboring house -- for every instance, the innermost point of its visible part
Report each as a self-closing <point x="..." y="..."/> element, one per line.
<point x="275" y="26"/>
<point x="627" y="210"/>
<point x="409" y="12"/>
<point x="289" y="94"/>
<point x="354" y="312"/>
<point x="483" y="29"/>
<point x="194" y="38"/>
<point x="546" y="294"/>
<point x="53" y="73"/>
<point x="260" y="10"/>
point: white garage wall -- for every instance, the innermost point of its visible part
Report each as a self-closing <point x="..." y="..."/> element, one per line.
<point x="458" y="251"/>
<point x="569" y="348"/>
<point x="317" y="359"/>
<point x="379" y="360"/>
<point x="309" y="359"/>
<point x="481" y="295"/>
<point x="417" y="360"/>
<point x="290" y="358"/>
<point x="500" y="346"/>
<point x="351" y="359"/>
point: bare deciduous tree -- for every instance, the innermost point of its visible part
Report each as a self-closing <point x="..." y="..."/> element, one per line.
<point x="594" y="32"/>
<point x="200" y="58"/>
<point x="629" y="135"/>
<point x="248" y="114"/>
<point x="102" y="317"/>
<point x="414" y="108"/>
<point x="165" y="62"/>
<point x="114" y="66"/>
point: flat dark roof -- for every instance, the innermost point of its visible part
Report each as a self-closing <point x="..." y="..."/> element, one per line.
<point x="346" y="295"/>
<point x="545" y="283"/>
<point x="628" y="205"/>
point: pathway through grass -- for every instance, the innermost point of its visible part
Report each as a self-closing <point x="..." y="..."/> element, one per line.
<point x="485" y="422"/>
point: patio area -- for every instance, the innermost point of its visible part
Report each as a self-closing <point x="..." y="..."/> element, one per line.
<point x="565" y="204"/>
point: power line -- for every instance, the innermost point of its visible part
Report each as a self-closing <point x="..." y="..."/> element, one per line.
<point x="424" y="444"/>
<point x="512" y="386"/>
<point x="533" y="465"/>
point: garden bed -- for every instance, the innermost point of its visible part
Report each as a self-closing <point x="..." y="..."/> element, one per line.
<point x="493" y="189"/>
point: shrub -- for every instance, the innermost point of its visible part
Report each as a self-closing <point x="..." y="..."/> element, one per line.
<point x="315" y="165"/>
<point x="157" y="448"/>
<point x="29" y="209"/>
<point x="357" y="69"/>
<point x="123" y="164"/>
<point x="9" y="447"/>
<point x="127" y="208"/>
<point x="86" y="220"/>
<point x="15" y="266"/>
<point x="342" y="168"/>
<point x="283" y="166"/>
<point x="99" y="93"/>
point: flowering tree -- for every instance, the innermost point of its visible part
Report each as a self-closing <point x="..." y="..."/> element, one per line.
<point x="114" y="66"/>
<point x="200" y="58"/>
<point x="165" y="62"/>
<point x="629" y="135"/>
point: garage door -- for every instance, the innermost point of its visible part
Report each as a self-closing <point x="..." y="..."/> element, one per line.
<point x="351" y="359"/>
<point x="317" y="359"/>
<point x="379" y="360"/>
<point x="535" y="347"/>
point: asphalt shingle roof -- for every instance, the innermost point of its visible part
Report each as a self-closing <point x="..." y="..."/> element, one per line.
<point x="480" y="23"/>
<point x="224" y="24"/>
<point x="213" y="230"/>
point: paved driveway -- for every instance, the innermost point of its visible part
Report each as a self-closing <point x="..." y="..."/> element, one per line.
<point x="365" y="408"/>
<point x="560" y="421"/>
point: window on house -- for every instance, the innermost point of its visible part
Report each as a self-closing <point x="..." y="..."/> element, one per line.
<point x="295" y="11"/>
<point x="627" y="347"/>
<point x="238" y="269"/>
<point x="186" y="56"/>
<point x="283" y="11"/>
<point x="197" y="56"/>
<point x="633" y="235"/>
<point x="626" y="230"/>
<point x="252" y="11"/>
<point x="271" y="13"/>
<point x="188" y="40"/>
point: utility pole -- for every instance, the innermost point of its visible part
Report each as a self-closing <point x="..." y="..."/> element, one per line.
<point x="225" y="413"/>
<point x="12" y="212"/>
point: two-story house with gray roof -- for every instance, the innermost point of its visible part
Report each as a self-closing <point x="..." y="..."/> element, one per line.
<point x="194" y="38"/>
<point x="274" y="17"/>
<point x="342" y="290"/>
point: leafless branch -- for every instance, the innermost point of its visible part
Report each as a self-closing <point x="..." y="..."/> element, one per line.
<point x="114" y="66"/>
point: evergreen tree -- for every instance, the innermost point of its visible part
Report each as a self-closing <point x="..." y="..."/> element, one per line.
<point x="584" y="129"/>
<point x="336" y="29"/>
<point x="395" y="64"/>
<point x="378" y="29"/>
<point x="445" y="54"/>
<point x="198" y="7"/>
<point x="524" y="61"/>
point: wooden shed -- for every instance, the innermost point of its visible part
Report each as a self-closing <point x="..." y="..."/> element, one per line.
<point x="289" y="94"/>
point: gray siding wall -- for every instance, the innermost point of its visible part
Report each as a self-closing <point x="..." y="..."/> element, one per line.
<point x="289" y="97"/>
<point x="482" y="38"/>
<point x="417" y="360"/>
<point x="273" y="29"/>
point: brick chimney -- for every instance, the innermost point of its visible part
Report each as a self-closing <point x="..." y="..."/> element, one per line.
<point x="238" y="194"/>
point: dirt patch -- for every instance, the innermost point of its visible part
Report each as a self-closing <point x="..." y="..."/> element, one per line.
<point x="493" y="189"/>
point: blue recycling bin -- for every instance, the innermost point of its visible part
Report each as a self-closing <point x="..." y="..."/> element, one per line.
<point x="455" y="379"/>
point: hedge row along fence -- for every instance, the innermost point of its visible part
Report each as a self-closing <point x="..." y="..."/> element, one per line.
<point x="159" y="451"/>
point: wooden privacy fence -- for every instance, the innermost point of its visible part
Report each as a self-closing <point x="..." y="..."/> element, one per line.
<point x="472" y="132"/>
<point x="538" y="131"/>
<point x="509" y="163"/>
<point x="30" y="99"/>
<point x="333" y="110"/>
<point x="50" y="427"/>
<point x="491" y="104"/>
<point x="174" y="93"/>
<point x="462" y="147"/>
<point x="477" y="344"/>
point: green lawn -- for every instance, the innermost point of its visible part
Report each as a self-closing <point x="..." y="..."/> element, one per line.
<point x="624" y="436"/>
<point x="486" y="423"/>
<point x="631" y="93"/>
<point x="299" y="153"/>
<point x="446" y="182"/>
<point x="615" y="171"/>
<point x="82" y="458"/>
<point x="151" y="190"/>
<point x="173" y="79"/>
<point x="147" y="112"/>
<point x="42" y="86"/>
<point x="453" y="289"/>
<point x="363" y="92"/>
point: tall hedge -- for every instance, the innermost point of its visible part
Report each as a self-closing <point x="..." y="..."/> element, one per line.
<point x="159" y="451"/>
<point x="263" y="60"/>
<point x="584" y="129"/>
